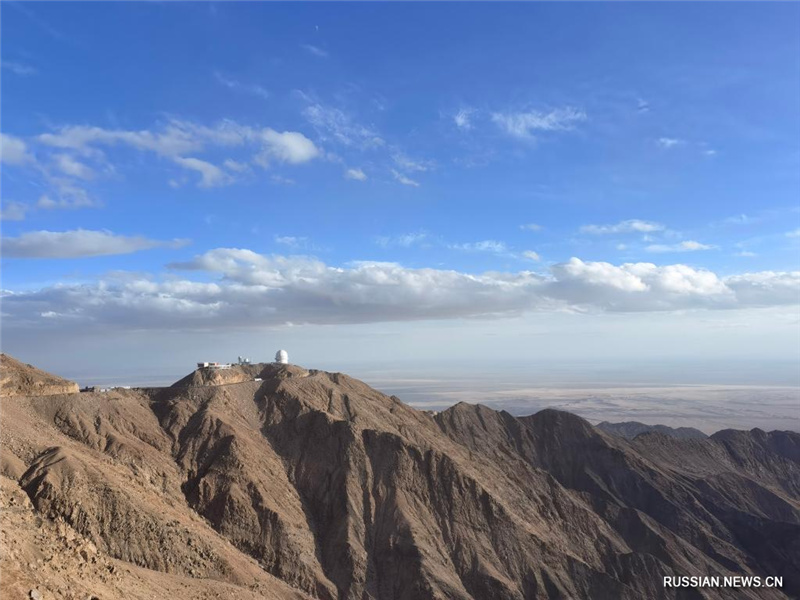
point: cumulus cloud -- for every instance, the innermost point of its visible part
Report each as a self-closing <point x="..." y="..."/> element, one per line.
<point x="685" y="246"/>
<point x="629" y="226"/>
<point x="77" y="243"/>
<point x="248" y="289"/>
<point x="356" y="174"/>
<point x="288" y="146"/>
<point x="524" y="124"/>
<point x="14" y="151"/>
<point x="766" y="288"/>
<point x="633" y="287"/>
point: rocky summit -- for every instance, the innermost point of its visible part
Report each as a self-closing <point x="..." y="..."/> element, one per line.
<point x="274" y="481"/>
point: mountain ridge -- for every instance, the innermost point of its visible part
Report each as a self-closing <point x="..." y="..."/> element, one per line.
<point x="334" y="490"/>
<point x="630" y="429"/>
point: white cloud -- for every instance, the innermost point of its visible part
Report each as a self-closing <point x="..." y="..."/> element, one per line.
<point x="531" y="255"/>
<point x="18" y="68"/>
<point x="794" y="233"/>
<point x="409" y="164"/>
<point x="210" y="175"/>
<point x="531" y="227"/>
<point x="74" y="168"/>
<point x="288" y="146"/>
<point x="315" y="50"/>
<point x="333" y="124"/>
<point x="253" y="290"/>
<point x="291" y="241"/>
<point x="66" y="195"/>
<point x="741" y="219"/>
<point x="179" y="138"/>
<point x="629" y="226"/>
<point x="403" y="179"/>
<point x="176" y="139"/>
<point x="14" y="151"/>
<point x="77" y="243"/>
<point x="13" y="211"/>
<point x="238" y="86"/>
<point x="746" y="254"/>
<point x="491" y="246"/>
<point x="523" y="124"/>
<point x="235" y="166"/>
<point x="356" y="174"/>
<point x="766" y="288"/>
<point x="281" y="180"/>
<point x="463" y="118"/>
<point x="405" y="240"/>
<point x="666" y="142"/>
<point x="685" y="246"/>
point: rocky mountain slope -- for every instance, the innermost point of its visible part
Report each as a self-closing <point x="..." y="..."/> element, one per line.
<point x="309" y="484"/>
<point x="20" y="379"/>
<point x="630" y="429"/>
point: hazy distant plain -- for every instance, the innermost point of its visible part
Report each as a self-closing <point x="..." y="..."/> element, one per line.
<point x="709" y="396"/>
<point x="705" y="407"/>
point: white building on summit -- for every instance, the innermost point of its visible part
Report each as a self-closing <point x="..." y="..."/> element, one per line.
<point x="282" y="357"/>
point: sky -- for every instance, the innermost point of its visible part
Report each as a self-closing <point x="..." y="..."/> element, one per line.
<point x="400" y="183"/>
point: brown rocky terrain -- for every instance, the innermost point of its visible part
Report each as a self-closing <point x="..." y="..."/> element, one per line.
<point x="630" y="429"/>
<point x="309" y="484"/>
<point x="20" y="379"/>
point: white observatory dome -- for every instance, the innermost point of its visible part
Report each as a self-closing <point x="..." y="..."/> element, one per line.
<point x="282" y="357"/>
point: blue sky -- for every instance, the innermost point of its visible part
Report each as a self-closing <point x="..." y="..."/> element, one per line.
<point x="328" y="171"/>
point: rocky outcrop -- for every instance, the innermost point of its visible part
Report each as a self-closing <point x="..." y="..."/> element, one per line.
<point x="20" y="379"/>
<point x="210" y="376"/>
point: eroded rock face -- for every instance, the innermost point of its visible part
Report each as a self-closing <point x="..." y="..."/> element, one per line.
<point x="20" y="379"/>
<point x="329" y="489"/>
